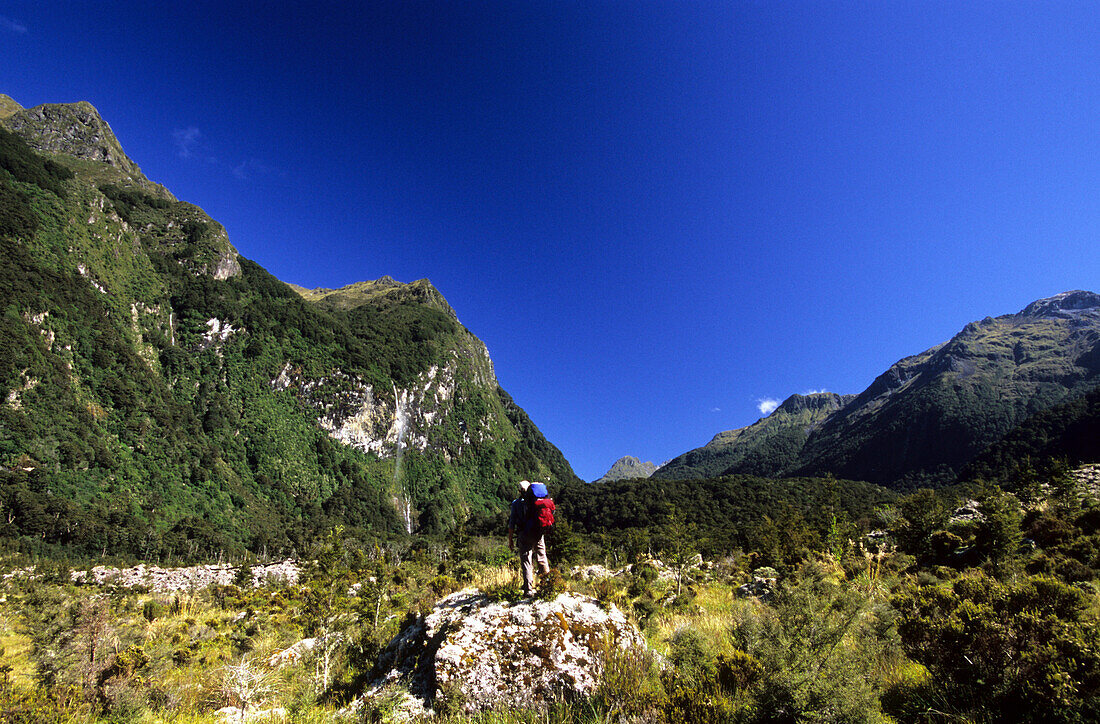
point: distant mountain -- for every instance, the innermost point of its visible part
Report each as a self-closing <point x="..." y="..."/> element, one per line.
<point x="161" y="395"/>
<point x="770" y="444"/>
<point x="928" y="415"/>
<point x="627" y="468"/>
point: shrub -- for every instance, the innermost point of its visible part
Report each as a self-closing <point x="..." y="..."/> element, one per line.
<point x="551" y="584"/>
<point x="443" y="585"/>
<point x="151" y="610"/>
<point x="1011" y="652"/>
<point x="821" y="652"/>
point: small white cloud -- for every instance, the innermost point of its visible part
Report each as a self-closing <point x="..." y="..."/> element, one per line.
<point x="716" y="409"/>
<point x="815" y="392"/>
<point x="186" y="139"/>
<point x="12" y="26"/>
<point x="767" y="405"/>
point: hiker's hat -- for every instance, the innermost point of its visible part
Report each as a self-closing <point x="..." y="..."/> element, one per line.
<point x="525" y="484"/>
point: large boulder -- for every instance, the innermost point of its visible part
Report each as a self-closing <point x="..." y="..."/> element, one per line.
<point x="473" y="653"/>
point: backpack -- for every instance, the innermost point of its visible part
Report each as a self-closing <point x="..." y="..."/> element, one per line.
<point x="539" y="509"/>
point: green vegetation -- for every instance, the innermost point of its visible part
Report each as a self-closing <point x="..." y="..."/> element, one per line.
<point x="935" y="618"/>
<point x="781" y="520"/>
<point x="1066" y="433"/>
<point x="24" y="165"/>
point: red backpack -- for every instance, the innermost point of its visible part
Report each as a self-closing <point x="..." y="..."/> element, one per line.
<point x="539" y="507"/>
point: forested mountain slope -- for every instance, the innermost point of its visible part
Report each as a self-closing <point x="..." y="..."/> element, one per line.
<point x="770" y="445"/>
<point x="928" y="415"/>
<point x="1066" y="434"/>
<point x="160" y="394"/>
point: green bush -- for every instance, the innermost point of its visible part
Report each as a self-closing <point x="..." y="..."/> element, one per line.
<point x="1020" y="651"/>
<point x="443" y="585"/>
<point x="550" y="585"/>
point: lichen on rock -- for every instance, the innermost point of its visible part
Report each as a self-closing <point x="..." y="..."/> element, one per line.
<point x="473" y="653"/>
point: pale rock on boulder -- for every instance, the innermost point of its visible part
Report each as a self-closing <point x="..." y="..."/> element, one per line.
<point x="500" y="654"/>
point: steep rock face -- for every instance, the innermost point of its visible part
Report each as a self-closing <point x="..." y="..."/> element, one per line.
<point x="627" y="468"/>
<point x="486" y="654"/>
<point x="72" y="129"/>
<point x="418" y="415"/>
<point x="771" y="444"/>
<point x="350" y="411"/>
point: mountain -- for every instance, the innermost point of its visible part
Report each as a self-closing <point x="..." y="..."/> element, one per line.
<point x="161" y="395"/>
<point x="770" y="444"/>
<point x="928" y="415"/>
<point x="1067" y="433"/>
<point x="627" y="468"/>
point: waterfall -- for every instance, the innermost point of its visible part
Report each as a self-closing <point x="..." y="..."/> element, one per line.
<point x="401" y="422"/>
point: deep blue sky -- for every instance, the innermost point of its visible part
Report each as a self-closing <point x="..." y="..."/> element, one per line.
<point x="656" y="215"/>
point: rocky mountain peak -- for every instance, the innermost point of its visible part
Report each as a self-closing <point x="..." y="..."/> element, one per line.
<point x="73" y="129"/>
<point x="627" y="467"/>
<point x="1063" y="306"/>
<point x="813" y="401"/>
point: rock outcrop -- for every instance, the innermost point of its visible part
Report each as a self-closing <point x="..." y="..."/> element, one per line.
<point x="190" y="578"/>
<point x="74" y="129"/>
<point x="474" y="654"/>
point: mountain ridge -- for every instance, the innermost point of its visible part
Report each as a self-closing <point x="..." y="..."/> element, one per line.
<point x="77" y="131"/>
<point x="760" y="446"/>
<point x="922" y="419"/>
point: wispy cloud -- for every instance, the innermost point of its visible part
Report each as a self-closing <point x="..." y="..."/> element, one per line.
<point x="187" y="140"/>
<point x="252" y="167"/>
<point x="191" y="144"/>
<point x="716" y="409"/>
<point x="767" y="405"/>
<point x="815" y="392"/>
<point x="12" y="26"/>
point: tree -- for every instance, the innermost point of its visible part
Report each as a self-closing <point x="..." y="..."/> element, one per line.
<point x="246" y="683"/>
<point x="679" y="544"/>
<point x="922" y="513"/>
<point x="998" y="537"/>
<point x="329" y="608"/>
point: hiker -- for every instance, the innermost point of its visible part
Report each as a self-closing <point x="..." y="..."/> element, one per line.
<point x="529" y="519"/>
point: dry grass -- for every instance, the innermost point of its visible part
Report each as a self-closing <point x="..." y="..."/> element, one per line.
<point x="16" y="653"/>
<point x="499" y="581"/>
